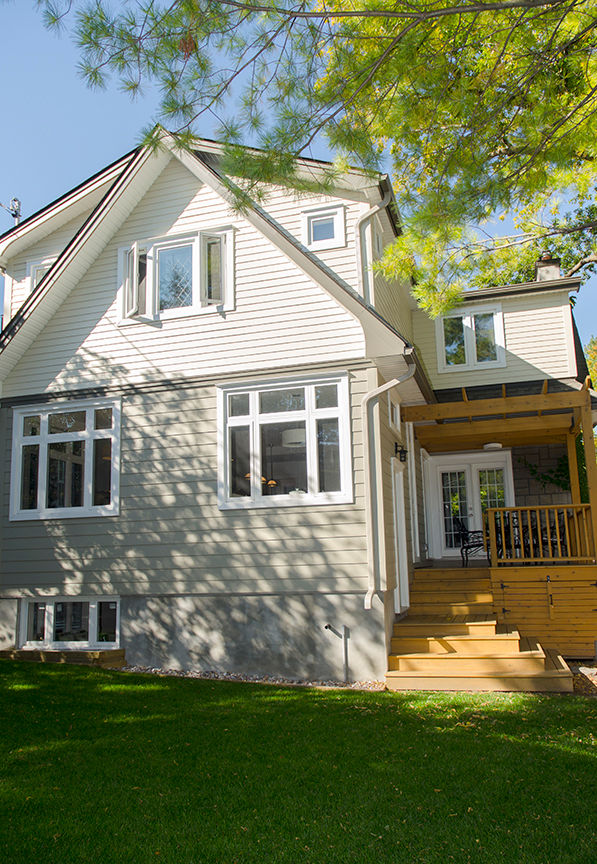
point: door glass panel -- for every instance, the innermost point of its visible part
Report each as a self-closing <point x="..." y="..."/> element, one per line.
<point x="491" y="488"/>
<point x="454" y="504"/>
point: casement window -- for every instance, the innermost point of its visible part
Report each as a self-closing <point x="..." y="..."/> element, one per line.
<point x="471" y="339"/>
<point x="65" y="460"/>
<point x="324" y="228"/>
<point x="178" y="276"/>
<point x="71" y="622"/>
<point x="36" y="270"/>
<point x="284" y="444"/>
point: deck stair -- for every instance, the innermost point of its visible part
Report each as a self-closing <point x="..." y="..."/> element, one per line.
<point x="450" y="640"/>
<point x="111" y="658"/>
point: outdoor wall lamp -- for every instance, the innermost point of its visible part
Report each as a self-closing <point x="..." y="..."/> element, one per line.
<point x="400" y="451"/>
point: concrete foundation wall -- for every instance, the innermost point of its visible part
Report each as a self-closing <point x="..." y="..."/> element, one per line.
<point x="8" y="623"/>
<point x="281" y="635"/>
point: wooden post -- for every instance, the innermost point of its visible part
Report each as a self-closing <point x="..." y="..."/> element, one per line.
<point x="589" y="442"/>
<point x="573" y="468"/>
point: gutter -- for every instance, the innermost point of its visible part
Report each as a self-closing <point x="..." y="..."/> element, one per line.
<point x="368" y="403"/>
<point x="362" y="264"/>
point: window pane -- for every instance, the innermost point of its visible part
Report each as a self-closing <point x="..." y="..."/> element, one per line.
<point x="328" y="449"/>
<point x="66" y="474"/>
<point x="29" y="476"/>
<point x="106" y="621"/>
<point x="213" y="270"/>
<point x="36" y="622"/>
<point x="67" y="422"/>
<point x="31" y="425"/>
<point x="103" y="418"/>
<point x="175" y="277"/>
<point x="283" y="458"/>
<point x="454" y="341"/>
<point x="39" y="273"/>
<point x="238" y="404"/>
<point x="322" y="228"/>
<point x="102" y="471"/>
<point x="240" y="462"/>
<point x="272" y="401"/>
<point x="142" y="283"/>
<point x="71" y="622"/>
<point x="326" y="396"/>
<point x="485" y="338"/>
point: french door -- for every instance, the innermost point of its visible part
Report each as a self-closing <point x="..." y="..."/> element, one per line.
<point x="459" y="488"/>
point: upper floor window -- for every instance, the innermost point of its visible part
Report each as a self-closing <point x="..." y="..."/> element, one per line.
<point x="65" y="460"/>
<point x="284" y="444"/>
<point x="470" y="339"/>
<point x="324" y="228"/>
<point x="176" y="276"/>
<point x="36" y="270"/>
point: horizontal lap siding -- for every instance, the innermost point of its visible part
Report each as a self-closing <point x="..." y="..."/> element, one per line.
<point x="170" y="535"/>
<point x="280" y="318"/>
<point x="537" y="335"/>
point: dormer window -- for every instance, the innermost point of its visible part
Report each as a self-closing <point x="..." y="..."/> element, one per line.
<point x="470" y="339"/>
<point x="324" y="228"/>
<point x="178" y="276"/>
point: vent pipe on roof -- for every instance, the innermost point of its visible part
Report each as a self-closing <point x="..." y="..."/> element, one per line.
<point x="547" y="268"/>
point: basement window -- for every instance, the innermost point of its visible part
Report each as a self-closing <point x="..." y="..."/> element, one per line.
<point x="70" y="622"/>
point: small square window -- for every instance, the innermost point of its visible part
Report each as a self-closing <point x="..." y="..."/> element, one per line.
<point x="324" y="228"/>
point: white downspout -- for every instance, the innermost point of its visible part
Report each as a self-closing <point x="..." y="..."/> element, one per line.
<point x="362" y="263"/>
<point x="372" y="517"/>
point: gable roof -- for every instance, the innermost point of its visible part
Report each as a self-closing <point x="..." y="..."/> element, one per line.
<point x="132" y="178"/>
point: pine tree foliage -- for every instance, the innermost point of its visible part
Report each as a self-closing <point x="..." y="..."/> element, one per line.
<point x="485" y="107"/>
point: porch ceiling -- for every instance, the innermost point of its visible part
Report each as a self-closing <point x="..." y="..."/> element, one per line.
<point x="510" y="420"/>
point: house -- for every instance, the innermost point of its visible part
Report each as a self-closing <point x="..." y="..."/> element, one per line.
<point x="230" y="444"/>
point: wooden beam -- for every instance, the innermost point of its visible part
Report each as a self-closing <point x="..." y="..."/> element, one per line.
<point x="497" y="406"/>
<point x="479" y="432"/>
<point x="573" y="467"/>
<point x="586" y="420"/>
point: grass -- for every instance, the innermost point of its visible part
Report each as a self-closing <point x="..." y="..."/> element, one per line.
<point x="109" y="767"/>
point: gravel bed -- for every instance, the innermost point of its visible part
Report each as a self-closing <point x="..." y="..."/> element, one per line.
<point x="254" y="679"/>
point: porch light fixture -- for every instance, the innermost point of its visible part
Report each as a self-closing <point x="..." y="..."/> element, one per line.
<point x="492" y="445"/>
<point x="400" y="451"/>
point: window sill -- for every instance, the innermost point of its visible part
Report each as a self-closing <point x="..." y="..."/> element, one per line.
<point x="276" y="501"/>
<point x="63" y="513"/>
<point x="471" y="367"/>
<point x="176" y="315"/>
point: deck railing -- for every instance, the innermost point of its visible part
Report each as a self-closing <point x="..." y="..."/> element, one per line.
<point x="540" y="535"/>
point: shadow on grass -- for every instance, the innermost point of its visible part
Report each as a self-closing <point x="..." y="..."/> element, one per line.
<point x="111" y="767"/>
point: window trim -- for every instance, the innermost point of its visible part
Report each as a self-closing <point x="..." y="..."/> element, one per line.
<point x="89" y="435"/>
<point x="255" y="501"/>
<point x="467" y="313"/>
<point x="200" y="304"/>
<point x="338" y="213"/>
<point x="51" y="644"/>
<point x="32" y="266"/>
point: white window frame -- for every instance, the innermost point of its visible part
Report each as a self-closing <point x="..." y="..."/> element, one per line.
<point x="44" y="438"/>
<point x="335" y="212"/>
<point x="467" y="315"/>
<point x="34" y="266"/>
<point x="151" y="247"/>
<point x="394" y="413"/>
<point x="48" y="642"/>
<point x="310" y="415"/>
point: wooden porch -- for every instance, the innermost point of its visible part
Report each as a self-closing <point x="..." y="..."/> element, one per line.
<point x="540" y="576"/>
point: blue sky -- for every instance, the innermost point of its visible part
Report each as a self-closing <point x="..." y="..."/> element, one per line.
<point x="56" y="132"/>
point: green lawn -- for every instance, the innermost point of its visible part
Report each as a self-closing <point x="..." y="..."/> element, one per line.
<point x="110" y="767"/>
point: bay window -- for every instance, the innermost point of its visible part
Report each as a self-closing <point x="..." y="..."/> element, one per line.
<point x="65" y="460"/>
<point x="284" y="444"/>
<point x="177" y="276"/>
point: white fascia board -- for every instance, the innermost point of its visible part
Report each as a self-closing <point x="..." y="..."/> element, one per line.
<point x="380" y="339"/>
<point x="66" y="273"/>
<point x="51" y="218"/>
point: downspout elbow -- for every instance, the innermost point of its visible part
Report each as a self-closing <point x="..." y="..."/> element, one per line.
<point x="363" y="264"/>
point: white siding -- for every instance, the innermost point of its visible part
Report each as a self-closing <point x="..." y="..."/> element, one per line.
<point x="537" y="334"/>
<point x="281" y="318"/>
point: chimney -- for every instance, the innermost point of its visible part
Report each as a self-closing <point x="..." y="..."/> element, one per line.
<point x="547" y="268"/>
